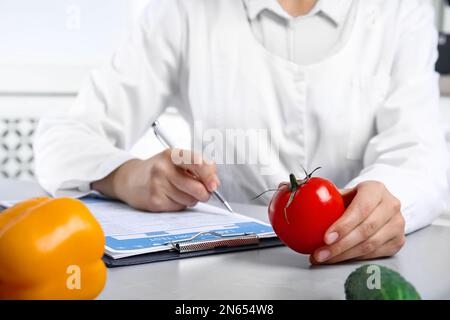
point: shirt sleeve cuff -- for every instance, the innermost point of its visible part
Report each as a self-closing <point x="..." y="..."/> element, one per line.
<point x="78" y="188"/>
<point x="421" y="203"/>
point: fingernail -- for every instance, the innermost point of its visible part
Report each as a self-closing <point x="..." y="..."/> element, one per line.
<point x="331" y="237"/>
<point x="323" y="255"/>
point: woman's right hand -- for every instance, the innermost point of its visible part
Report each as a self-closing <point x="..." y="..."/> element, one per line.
<point x="160" y="184"/>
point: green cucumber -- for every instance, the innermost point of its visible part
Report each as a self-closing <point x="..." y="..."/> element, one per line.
<point x="375" y="282"/>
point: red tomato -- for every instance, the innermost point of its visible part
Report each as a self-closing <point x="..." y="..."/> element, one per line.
<point x="316" y="205"/>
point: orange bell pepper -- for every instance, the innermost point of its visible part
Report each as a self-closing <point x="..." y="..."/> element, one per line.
<point x="50" y="249"/>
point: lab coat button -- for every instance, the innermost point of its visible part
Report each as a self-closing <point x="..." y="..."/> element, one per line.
<point x="373" y="17"/>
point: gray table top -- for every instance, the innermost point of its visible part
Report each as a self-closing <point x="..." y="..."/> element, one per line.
<point x="276" y="273"/>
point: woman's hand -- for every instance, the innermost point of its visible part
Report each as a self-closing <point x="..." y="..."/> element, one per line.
<point x="158" y="184"/>
<point x="372" y="226"/>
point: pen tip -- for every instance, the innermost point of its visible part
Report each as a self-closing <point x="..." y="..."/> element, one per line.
<point x="228" y="207"/>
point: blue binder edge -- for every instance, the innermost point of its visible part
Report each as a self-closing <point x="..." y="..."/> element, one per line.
<point x="175" y="255"/>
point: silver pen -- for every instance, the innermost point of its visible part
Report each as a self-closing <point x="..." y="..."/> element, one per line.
<point x="165" y="140"/>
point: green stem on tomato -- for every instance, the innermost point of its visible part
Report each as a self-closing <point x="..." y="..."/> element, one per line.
<point x="293" y="187"/>
<point x="308" y="176"/>
<point x="263" y="193"/>
<point x="294" y="184"/>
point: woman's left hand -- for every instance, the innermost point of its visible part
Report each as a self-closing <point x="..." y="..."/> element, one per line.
<point x="371" y="227"/>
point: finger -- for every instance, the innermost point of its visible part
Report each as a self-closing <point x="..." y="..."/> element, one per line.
<point x="389" y="249"/>
<point x="188" y="185"/>
<point x="368" y="196"/>
<point x="374" y="222"/>
<point x="180" y="196"/>
<point x="348" y="195"/>
<point x="394" y="228"/>
<point x="161" y="202"/>
<point x="173" y="205"/>
<point x="313" y="260"/>
<point x="194" y="163"/>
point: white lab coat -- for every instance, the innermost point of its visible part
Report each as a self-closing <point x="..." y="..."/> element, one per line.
<point x="366" y="112"/>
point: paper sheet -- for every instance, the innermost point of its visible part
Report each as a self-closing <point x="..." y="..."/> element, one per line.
<point x="130" y="232"/>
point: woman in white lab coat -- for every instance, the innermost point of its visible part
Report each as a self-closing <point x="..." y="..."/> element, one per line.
<point x="348" y="85"/>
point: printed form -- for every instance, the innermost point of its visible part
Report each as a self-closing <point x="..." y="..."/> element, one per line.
<point x="131" y="232"/>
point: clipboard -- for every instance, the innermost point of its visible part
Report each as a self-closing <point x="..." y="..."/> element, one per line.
<point x="192" y="247"/>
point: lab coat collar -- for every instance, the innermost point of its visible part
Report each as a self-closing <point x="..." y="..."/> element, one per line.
<point x="335" y="10"/>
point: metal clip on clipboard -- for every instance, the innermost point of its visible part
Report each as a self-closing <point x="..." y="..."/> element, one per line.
<point x="228" y="240"/>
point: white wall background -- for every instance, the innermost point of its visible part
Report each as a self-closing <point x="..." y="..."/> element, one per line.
<point x="64" y="32"/>
<point x="48" y="47"/>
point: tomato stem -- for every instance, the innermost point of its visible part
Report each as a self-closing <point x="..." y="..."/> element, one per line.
<point x="259" y="195"/>
<point x="312" y="172"/>
<point x="294" y="183"/>
<point x="294" y="186"/>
